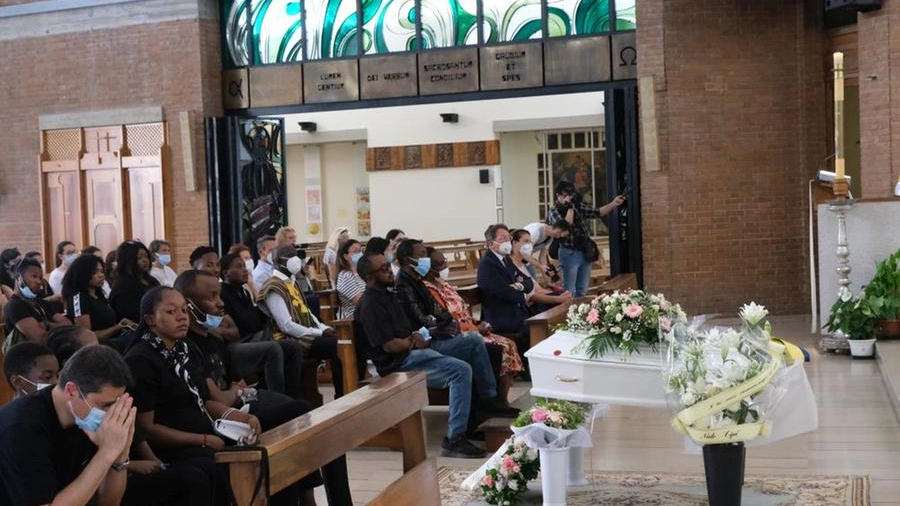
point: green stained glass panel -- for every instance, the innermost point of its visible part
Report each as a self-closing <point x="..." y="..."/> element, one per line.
<point x="331" y="29"/>
<point x="277" y="31"/>
<point x="389" y="26"/>
<point x="626" y="16"/>
<point x="577" y="17"/>
<point x="449" y="23"/>
<point x="236" y="33"/>
<point x="512" y="20"/>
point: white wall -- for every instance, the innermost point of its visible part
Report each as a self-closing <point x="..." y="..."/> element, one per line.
<point x="296" y="187"/>
<point x="433" y="204"/>
<point x="873" y="233"/>
<point x="518" y="152"/>
<point x="421" y="124"/>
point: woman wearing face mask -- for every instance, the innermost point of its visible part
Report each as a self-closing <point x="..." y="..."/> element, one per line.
<point x="27" y="312"/>
<point x="350" y="286"/>
<point x="66" y="253"/>
<point x="394" y="237"/>
<point x="540" y="299"/>
<point x="161" y="255"/>
<point x="448" y="298"/>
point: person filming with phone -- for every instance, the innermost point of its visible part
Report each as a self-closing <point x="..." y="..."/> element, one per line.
<point x="577" y="251"/>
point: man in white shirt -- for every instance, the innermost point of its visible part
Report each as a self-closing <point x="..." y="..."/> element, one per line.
<point x="264" y="268"/>
<point x="161" y="254"/>
<point x="282" y="299"/>
<point x="542" y="234"/>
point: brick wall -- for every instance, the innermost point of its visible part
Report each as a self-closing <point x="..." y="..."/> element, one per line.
<point x="740" y="107"/>
<point x="175" y="64"/>
<point x="879" y="100"/>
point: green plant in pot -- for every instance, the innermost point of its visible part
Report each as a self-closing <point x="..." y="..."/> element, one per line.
<point x="855" y="318"/>
<point x="883" y="294"/>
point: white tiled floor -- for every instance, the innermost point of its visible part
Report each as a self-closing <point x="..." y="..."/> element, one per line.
<point x="858" y="434"/>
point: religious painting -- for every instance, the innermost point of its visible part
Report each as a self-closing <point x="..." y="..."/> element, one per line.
<point x="575" y="167"/>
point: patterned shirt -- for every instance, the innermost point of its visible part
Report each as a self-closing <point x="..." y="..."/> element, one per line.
<point x="579" y="230"/>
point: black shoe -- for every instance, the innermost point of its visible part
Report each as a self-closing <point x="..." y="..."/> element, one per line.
<point x="475" y="435"/>
<point x="460" y="448"/>
<point x="495" y="408"/>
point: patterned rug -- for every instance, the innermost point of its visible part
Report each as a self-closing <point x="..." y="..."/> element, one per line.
<point x="670" y="489"/>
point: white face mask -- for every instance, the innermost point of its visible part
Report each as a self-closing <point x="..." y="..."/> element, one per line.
<point x="505" y="248"/>
<point x="527" y="249"/>
<point x="444" y="273"/>
<point x="248" y="264"/>
<point x="294" y="264"/>
<point x="271" y="257"/>
<point x="37" y="386"/>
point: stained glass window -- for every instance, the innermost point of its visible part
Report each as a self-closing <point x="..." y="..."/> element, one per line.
<point x="331" y="29"/>
<point x="449" y="23"/>
<point x="578" y="17"/>
<point x="389" y="26"/>
<point x="626" y="16"/>
<point x="512" y="20"/>
<point x="236" y="33"/>
<point x="277" y="31"/>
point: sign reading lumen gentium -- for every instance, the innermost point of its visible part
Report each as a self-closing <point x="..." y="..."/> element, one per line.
<point x="261" y="32"/>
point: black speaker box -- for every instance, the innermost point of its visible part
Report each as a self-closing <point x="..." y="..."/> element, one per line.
<point x="484" y="176"/>
<point x="852" y="5"/>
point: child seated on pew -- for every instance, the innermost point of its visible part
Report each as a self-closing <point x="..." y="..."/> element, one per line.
<point x="30" y="367"/>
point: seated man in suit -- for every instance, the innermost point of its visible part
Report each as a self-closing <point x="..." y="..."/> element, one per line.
<point x="422" y="311"/>
<point x="394" y="344"/>
<point x="503" y="289"/>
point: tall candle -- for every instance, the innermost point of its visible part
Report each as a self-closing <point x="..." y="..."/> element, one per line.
<point x="839" y="115"/>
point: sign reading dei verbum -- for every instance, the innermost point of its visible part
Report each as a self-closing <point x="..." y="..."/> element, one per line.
<point x="330" y="81"/>
<point x="510" y="67"/>
<point x="454" y="71"/>
<point x="388" y="76"/>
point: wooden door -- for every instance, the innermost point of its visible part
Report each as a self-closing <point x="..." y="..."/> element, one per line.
<point x="103" y="206"/>
<point x="145" y="191"/>
<point x="62" y="209"/>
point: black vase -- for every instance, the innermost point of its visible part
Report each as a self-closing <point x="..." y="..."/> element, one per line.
<point x="724" y="464"/>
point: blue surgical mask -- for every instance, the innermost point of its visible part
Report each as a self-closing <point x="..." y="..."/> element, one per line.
<point x="92" y="421"/>
<point x="212" y="321"/>
<point x="356" y="257"/>
<point x="70" y="258"/>
<point x="389" y="257"/>
<point x="26" y="292"/>
<point x="164" y="258"/>
<point x="423" y="266"/>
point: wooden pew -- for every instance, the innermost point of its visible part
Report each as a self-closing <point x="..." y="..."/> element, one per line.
<point x="540" y="326"/>
<point x="418" y="487"/>
<point x="308" y="442"/>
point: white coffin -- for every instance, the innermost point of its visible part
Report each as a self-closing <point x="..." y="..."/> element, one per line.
<point x="633" y="381"/>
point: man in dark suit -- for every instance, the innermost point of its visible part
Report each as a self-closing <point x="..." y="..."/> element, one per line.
<point x="503" y="289"/>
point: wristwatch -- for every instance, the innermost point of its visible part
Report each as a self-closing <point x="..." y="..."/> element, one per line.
<point x="120" y="466"/>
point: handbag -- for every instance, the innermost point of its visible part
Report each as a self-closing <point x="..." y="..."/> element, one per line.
<point x="553" y="249"/>
<point x="590" y="250"/>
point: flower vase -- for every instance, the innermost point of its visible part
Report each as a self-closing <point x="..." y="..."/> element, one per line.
<point x="576" y="476"/>
<point x="554" y="475"/>
<point x="724" y="464"/>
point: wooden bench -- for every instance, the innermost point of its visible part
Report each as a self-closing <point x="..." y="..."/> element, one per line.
<point x="308" y="442"/>
<point x="540" y="326"/>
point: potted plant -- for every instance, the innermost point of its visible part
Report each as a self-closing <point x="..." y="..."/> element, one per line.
<point x="883" y="294"/>
<point x="854" y="317"/>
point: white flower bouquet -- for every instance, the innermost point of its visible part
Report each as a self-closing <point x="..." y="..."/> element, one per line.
<point x="505" y="481"/>
<point x="623" y="321"/>
<point x="721" y="380"/>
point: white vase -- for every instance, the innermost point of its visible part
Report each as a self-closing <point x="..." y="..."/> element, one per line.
<point x="576" y="476"/>
<point x="862" y="347"/>
<point x="554" y="475"/>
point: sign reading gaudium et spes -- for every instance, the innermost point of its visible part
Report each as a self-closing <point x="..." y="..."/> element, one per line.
<point x="514" y="66"/>
<point x="330" y="81"/>
<point x="454" y="71"/>
<point x="388" y="76"/>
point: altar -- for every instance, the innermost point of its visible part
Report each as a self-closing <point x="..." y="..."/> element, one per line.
<point x="560" y="371"/>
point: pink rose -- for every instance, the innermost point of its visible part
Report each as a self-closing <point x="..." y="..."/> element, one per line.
<point x="509" y="465"/>
<point x="539" y="415"/>
<point x="593" y="316"/>
<point x="665" y="323"/>
<point x="489" y="481"/>
<point x="633" y="311"/>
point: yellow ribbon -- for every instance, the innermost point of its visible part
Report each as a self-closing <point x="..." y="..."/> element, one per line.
<point x="684" y="422"/>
